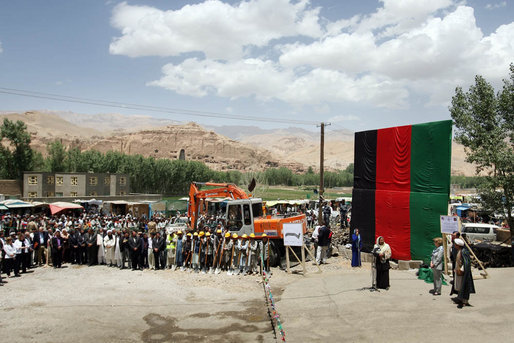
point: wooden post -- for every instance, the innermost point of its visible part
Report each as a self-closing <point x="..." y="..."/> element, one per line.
<point x="288" y="264"/>
<point x="312" y="256"/>
<point x="303" y="260"/>
<point x="479" y="262"/>
<point x="321" y="176"/>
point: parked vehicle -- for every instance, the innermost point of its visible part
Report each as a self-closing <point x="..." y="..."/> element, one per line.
<point x="480" y="232"/>
<point x="181" y="224"/>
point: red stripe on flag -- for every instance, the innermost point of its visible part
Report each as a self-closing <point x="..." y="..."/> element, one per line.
<point x="392" y="221"/>
<point x="393" y="158"/>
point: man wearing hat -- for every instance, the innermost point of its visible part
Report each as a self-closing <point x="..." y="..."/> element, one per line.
<point x="179" y="243"/>
<point x="264" y="247"/>
<point x="254" y="254"/>
<point x="203" y="250"/>
<point x="463" y="284"/>
<point x="209" y="252"/>
<point x="217" y="242"/>
<point x="227" y="251"/>
<point x="170" y="250"/>
<point x="234" y="263"/>
<point x="187" y="251"/>
<point x="243" y="251"/>
<point x="196" y="252"/>
<point x="110" y="244"/>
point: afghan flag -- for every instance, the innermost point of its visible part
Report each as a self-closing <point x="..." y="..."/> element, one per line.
<point x="401" y="186"/>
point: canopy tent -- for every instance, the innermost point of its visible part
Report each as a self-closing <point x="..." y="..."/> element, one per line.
<point x="461" y="209"/>
<point x="60" y="206"/>
<point x="14" y="203"/>
<point x="3" y="207"/>
<point x="90" y="202"/>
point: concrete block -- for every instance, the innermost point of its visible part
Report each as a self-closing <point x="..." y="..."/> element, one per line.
<point x="403" y="265"/>
<point x="366" y="257"/>
<point x="393" y="265"/>
<point x="415" y="264"/>
<point x="411" y="264"/>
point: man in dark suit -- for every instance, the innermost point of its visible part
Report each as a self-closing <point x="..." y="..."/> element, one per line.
<point x="75" y="247"/>
<point x="158" y="248"/>
<point x="135" y="249"/>
<point x="40" y="242"/>
<point x="57" y="246"/>
<point x="91" y="247"/>
<point x="81" y="239"/>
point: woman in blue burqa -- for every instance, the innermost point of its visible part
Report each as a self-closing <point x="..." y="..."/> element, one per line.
<point x="356" y="248"/>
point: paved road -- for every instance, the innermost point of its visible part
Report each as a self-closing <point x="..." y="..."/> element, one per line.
<point x="101" y="304"/>
<point x="332" y="307"/>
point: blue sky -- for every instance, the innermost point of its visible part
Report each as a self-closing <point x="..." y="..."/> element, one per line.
<point x="357" y="64"/>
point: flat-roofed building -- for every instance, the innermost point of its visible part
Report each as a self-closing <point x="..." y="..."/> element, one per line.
<point x="51" y="185"/>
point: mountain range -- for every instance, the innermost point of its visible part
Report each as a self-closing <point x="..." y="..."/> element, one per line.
<point x="227" y="147"/>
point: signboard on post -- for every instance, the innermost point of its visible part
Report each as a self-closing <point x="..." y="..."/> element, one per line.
<point x="450" y="224"/>
<point x="293" y="234"/>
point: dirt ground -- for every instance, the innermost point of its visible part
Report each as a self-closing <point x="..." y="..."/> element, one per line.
<point x="102" y="304"/>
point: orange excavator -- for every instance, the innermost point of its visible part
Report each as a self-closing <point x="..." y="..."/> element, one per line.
<point x="242" y="214"/>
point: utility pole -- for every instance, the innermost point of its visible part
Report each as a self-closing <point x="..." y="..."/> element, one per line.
<point x="321" y="173"/>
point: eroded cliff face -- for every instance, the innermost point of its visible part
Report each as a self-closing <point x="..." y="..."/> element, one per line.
<point x="216" y="151"/>
<point x="293" y="148"/>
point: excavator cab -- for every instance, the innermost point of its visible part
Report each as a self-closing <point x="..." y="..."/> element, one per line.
<point x="240" y="214"/>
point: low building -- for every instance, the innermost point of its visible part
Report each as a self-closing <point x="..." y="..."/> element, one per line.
<point x="52" y="185"/>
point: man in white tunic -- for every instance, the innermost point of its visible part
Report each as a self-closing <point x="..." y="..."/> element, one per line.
<point x="110" y="244"/>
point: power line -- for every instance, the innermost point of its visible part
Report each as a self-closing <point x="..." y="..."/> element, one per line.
<point x="139" y="107"/>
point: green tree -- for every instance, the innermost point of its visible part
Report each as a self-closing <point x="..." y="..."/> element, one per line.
<point x="484" y="122"/>
<point x="56" y="156"/>
<point x="16" y="155"/>
<point x="38" y="161"/>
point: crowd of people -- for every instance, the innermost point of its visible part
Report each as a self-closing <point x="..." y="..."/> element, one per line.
<point x="132" y="243"/>
<point x="127" y="243"/>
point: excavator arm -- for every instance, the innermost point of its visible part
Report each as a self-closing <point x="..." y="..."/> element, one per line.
<point x="197" y="197"/>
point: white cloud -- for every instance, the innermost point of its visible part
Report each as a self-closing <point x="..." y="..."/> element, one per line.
<point x="266" y="80"/>
<point x="496" y="5"/>
<point x="404" y="48"/>
<point x="343" y="118"/>
<point x="400" y="16"/>
<point x="219" y="30"/>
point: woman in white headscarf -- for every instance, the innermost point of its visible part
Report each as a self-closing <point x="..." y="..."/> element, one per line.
<point x="382" y="253"/>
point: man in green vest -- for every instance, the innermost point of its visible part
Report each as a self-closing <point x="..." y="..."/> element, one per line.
<point x="170" y="251"/>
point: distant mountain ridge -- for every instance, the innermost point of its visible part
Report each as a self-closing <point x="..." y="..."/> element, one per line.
<point x="226" y="147"/>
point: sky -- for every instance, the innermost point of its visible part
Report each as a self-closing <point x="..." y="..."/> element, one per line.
<point x="357" y="64"/>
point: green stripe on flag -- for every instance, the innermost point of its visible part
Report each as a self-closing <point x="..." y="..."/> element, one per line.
<point x="431" y="157"/>
<point x="425" y="209"/>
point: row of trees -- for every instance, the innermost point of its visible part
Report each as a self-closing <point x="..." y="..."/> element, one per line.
<point x="147" y="174"/>
<point x="485" y="126"/>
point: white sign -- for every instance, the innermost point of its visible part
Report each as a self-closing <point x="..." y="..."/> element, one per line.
<point x="293" y="234"/>
<point x="449" y="224"/>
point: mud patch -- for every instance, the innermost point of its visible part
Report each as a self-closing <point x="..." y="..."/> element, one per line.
<point x="253" y="329"/>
